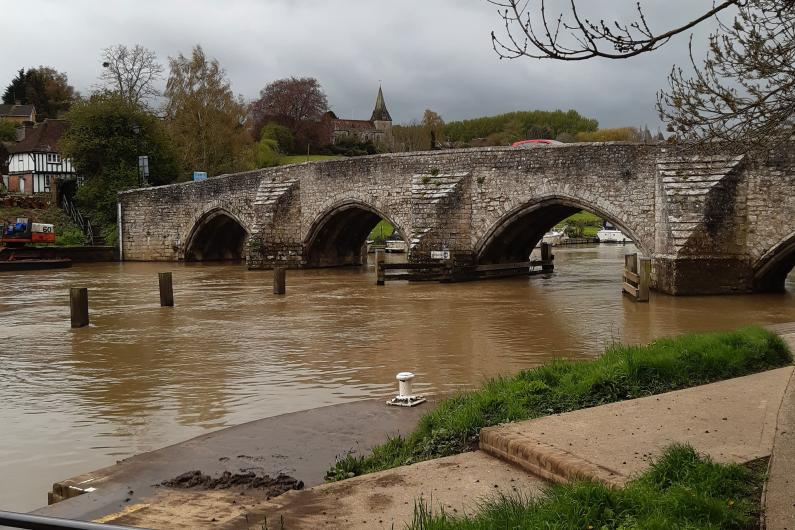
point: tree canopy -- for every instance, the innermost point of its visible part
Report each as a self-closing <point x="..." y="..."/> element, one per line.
<point x="512" y="126"/>
<point x="204" y="118"/>
<point x="45" y="88"/>
<point x="106" y="136"/>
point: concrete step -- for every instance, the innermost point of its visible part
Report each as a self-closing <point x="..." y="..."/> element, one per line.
<point x="732" y="421"/>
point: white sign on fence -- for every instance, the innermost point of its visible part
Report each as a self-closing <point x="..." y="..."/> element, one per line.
<point x="440" y="254"/>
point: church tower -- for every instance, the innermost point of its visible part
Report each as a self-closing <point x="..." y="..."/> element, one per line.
<point x="381" y="118"/>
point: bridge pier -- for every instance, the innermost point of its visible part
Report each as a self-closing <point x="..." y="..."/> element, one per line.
<point x="702" y="275"/>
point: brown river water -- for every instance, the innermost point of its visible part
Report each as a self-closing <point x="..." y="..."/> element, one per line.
<point x="142" y="377"/>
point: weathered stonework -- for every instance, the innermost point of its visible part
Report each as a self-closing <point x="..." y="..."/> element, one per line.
<point x="711" y="224"/>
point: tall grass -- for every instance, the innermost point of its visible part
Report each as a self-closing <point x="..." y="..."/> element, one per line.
<point x="623" y="372"/>
<point x="680" y="490"/>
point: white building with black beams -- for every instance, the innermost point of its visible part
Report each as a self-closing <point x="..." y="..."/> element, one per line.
<point x="34" y="164"/>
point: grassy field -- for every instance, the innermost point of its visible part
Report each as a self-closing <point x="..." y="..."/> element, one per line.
<point x="680" y="490"/>
<point x="298" y="159"/>
<point x="622" y="372"/>
<point x="66" y="232"/>
<point x="383" y="228"/>
<point x="581" y="224"/>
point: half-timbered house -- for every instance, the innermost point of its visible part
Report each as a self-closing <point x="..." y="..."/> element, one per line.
<point x="34" y="164"/>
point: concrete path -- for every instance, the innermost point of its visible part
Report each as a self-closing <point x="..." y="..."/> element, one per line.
<point x="301" y="444"/>
<point x="780" y="488"/>
<point x="732" y="421"/>
<point x="382" y="500"/>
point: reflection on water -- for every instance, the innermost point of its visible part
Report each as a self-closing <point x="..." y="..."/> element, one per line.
<point x="141" y="377"/>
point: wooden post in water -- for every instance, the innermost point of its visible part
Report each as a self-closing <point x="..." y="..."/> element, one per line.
<point x="547" y="265"/>
<point x="166" y="289"/>
<point x="644" y="278"/>
<point x="380" y="258"/>
<point x="279" y="280"/>
<point x="78" y="306"/>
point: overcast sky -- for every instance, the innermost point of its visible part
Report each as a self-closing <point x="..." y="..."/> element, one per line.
<point x="427" y="53"/>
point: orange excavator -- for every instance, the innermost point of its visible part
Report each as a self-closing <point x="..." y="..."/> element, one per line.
<point x="15" y="252"/>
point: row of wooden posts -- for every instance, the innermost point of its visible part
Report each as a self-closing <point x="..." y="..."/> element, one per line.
<point x="637" y="273"/>
<point x="78" y="296"/>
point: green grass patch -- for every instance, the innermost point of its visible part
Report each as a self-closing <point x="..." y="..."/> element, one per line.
<point x="581" y="224"/>
<point x="622" y="372"/>
<point x="381" y="232"/>
<point x="680" y="490"/>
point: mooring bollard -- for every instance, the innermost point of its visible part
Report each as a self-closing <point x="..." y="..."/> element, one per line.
<point x="547" y="264"/>
<point x="78" y="306"/>
<point x="279" y="280"/>
<point x="166" y="289"/>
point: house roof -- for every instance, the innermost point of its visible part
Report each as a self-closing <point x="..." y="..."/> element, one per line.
<point x="17" y="111"/>
<point x="353" y="125"/>
<point x="43" y="138"/>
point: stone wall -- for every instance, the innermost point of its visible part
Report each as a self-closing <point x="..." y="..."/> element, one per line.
<point x="709" y="223"/>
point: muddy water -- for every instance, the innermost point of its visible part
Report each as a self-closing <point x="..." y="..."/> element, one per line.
<point x="142" y="377"/>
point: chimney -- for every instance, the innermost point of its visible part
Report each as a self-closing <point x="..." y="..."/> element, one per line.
<point x="22" y="130"/>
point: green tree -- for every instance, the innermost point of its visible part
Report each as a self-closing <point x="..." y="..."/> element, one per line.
<point x="281" y="134"/>
<point x="267" y="153"/>
<point x="8" y="132"/>
<point x="204" y="118"/>
<point x="105" y="138"/>
<point x="43" y="87"/>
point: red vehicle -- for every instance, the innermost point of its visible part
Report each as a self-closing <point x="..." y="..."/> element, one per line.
<point x="535" y="143"/>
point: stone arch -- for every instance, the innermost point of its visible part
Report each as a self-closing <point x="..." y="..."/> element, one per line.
<point x="771" y="270"/>
<point x="336" y="236"/>
<point x="217" y="235"/>
<point x="515" y="234"/>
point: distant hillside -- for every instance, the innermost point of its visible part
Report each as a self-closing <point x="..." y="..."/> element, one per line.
<point x="506" y="128"/>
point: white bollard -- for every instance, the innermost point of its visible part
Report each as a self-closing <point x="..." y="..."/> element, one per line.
<point x="405" y="397"/>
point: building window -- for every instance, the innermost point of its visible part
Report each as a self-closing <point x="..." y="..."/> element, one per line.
<point x="53" y="158"/>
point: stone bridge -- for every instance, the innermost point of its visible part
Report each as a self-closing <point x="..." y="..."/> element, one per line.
<point x="716" y="224"/>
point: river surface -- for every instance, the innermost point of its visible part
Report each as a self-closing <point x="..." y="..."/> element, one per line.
<point x="142" y="377"/>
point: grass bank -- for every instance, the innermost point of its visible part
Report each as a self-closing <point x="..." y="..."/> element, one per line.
<point x="680" y="490"/>
<point x="298" y="159"/>
<point x="622" y="372"/>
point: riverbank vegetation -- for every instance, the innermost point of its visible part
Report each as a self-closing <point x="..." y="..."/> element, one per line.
<point x="680" y="490"/>
<point x="622" y="372"/>
<point x="581" y="224"/>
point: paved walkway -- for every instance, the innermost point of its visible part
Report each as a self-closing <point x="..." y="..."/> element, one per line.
<point x="780" y="489"/>
<point x="732" y="421"/>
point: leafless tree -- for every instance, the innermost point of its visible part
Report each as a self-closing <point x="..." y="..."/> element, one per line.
<point x="132" y="72"/>
<point x="742" y="96"/>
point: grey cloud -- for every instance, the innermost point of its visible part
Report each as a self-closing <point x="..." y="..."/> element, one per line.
<point x="427" y="53"/>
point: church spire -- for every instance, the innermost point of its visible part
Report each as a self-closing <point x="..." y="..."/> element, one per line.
<point x="379" y="112"/>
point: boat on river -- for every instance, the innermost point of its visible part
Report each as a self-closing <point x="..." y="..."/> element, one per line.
<point x="611" y="234"/>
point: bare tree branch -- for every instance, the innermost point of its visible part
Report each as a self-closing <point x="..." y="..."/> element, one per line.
<point x="528" y="31"/>
<point x="132" y="72"/>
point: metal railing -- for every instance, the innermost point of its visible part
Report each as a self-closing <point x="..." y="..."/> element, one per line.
<point x="77" y="217"/>
<point x="42" y="522"/>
